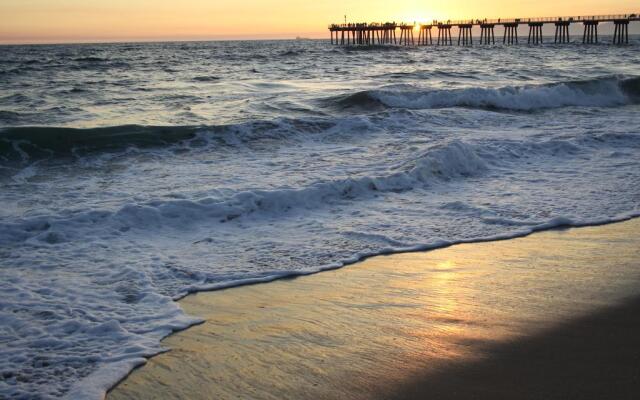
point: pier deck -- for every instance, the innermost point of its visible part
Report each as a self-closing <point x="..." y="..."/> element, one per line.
<point x="385" y="33"/>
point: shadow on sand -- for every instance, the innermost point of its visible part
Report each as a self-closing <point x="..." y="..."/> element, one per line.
<point x="593" y="357"/>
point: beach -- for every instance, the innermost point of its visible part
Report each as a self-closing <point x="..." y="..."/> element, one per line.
<point x="553" y="315"/>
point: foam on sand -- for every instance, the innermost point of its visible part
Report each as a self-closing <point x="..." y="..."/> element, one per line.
<point x="419" y="319"/>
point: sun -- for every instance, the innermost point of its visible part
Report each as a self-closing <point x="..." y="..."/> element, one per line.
<point x="417" y="21"/>
<point x="416" y="18"/>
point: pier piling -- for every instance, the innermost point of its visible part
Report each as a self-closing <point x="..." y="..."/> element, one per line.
<point x="424" y="35"/>
<point x="444" y="34"/>
<point x="621" y="31"/>
<point x="464" y="33"/>
<point x="562" y="32"/>
<point x="510" y="33"/>
<point x="406" y="35"/>
<point x="535" y="33"/>
<point x="487" y="34"/>
<point x="590" y="32"/>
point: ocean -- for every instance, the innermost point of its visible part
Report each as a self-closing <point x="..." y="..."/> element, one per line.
<point x="133" y="174"/>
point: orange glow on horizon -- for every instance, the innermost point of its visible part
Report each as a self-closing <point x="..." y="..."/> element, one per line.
<point x="118" y="20"/>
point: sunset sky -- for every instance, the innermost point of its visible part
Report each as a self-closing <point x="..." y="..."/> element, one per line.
<point x="46" y="21"/>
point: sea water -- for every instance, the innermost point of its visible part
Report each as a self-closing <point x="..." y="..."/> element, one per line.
<point x="133" y="174"/>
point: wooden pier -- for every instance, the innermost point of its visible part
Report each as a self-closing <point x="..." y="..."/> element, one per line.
<point x="369" y="34"/>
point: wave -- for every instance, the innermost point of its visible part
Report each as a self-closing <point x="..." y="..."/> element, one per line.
<point x="376" y="48"/>
<point x="359" y="101"/>
<point x="292" y="53"/>
<point x="456" y="159"/>
<point x="440" y="163"/>
<point x="34" y="143"/>
<point x="206" y="78"/>
<point x="28" y="144"/>
<point x="90" y="59"/>
<point x="428" y="74"/>
<point x="9" y="116"/>
<point x="602" y="92"/>
<point x="19" y="145"/>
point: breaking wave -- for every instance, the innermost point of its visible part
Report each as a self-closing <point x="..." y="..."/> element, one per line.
<point x="603" y="92"/>
<point x="440" y="163"/>
<point x="456" y="159"/>
<point x="21" y="144"/>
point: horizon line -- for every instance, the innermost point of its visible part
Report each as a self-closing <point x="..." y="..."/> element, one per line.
<point x="160" y="39"/>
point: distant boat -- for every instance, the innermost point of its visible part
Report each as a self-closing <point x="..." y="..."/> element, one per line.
<point x="302" y="38"/>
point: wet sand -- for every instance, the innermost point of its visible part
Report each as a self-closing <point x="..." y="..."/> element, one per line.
<point x="555" y="315"/>
<point x="594" y="357"/>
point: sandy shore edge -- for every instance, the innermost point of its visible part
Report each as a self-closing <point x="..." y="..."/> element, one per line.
<point x="330" y="336"/>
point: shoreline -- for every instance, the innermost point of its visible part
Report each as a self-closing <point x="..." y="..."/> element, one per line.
<point x="287" y="288"/>
<point x="559" y="223"/>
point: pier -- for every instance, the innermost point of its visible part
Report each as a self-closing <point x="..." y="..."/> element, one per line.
<point x="369" y="34"/>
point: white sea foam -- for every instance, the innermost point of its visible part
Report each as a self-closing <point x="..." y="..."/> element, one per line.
<point x="456" y="159"/>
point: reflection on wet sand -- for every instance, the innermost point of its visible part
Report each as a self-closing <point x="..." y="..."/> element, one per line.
<point x="371" y="329"/>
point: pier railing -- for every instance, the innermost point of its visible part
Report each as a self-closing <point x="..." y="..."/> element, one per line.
<point x="366" y="25"/>
<point x="570" y="18"/>
<point x="494" y="21"/>
<point x="368" y="33"/>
